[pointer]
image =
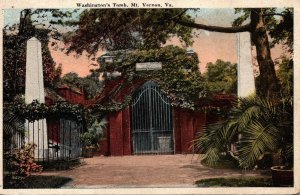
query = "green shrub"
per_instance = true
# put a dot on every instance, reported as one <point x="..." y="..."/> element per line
<point x="94" y="134"/>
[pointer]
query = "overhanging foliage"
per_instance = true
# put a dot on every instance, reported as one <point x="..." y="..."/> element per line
<point x="179" y="77"/>
<point x="36" y="111"/>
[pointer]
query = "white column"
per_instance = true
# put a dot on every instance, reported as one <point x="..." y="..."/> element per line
<point x="34" y="90"/>
<point x="246" y="85"/>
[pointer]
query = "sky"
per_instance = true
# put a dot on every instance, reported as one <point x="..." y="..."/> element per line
<point x="209" y="46"/>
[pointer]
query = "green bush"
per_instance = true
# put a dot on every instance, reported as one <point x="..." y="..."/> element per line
<point x="94" y="134"/>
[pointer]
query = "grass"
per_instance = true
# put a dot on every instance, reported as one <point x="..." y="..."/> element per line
<point x="35" y="181"/>
<point x="235" y="182"/>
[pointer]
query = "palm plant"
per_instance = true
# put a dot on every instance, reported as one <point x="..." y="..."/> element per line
<point x="90" y="139"/>
<point x="264" y="125"/>
<point x="94" y="134"/>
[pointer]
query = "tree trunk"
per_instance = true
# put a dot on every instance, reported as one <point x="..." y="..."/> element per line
<point x="267" y="85"/>
<point x="267" y="81"/>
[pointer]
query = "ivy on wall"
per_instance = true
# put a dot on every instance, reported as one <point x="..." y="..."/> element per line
<point x="179" y="78"/>
<point x="35" y="110"/>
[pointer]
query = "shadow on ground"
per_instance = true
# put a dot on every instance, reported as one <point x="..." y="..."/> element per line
<point x="35" y="181"/>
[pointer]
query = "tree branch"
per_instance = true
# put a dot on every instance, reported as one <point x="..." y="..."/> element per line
<point x="178" y="15"/>
<point x="237" y="29"/>
<point x="173" y="18"/>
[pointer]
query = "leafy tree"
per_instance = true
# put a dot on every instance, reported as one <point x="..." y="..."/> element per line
<point x="149" y="28"/>
<point x="265" y="124"/>
<point x="116" y="29"/>
<point x="261" y="22"/>
<point x="221" y="77"/>
<point x="71" y="78"/>
<point x="91" y="84"/>
<point x="285" y="76"/>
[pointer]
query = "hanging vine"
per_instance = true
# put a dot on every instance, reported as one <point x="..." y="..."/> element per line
<point x="179" y="78"/>
<point x="35" y="110"/>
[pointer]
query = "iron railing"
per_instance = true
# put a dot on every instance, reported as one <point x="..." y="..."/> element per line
<point x="55" y="139"/>
<point x="151" y="121"/>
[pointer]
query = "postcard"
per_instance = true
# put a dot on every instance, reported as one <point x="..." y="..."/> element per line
<point x="157" y="97"/>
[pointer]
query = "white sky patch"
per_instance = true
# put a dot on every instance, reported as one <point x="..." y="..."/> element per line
<point x="11" y="16"/>
<point x="206" y="33"/>
<point x="218" y="17"/>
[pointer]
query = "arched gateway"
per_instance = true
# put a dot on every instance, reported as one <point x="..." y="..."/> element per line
<point x="151" y="121"/>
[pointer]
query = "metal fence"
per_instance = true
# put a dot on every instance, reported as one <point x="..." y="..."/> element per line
<point x="151" y="121"/>
<point x="55" y="139"/>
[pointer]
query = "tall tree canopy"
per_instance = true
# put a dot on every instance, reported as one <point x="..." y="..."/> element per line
<point x="221" y="77"/>
<point x="285" y="76"/>
<point x="150" y="28"/>
<point x="91" y="84"/>
<point x="116" y="29"/>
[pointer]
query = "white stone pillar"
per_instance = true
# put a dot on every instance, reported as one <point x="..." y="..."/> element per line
<point x="246" y="85"/>
<point x="34" y="90"/>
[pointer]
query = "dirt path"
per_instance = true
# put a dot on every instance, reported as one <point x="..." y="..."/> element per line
<point x="142" y="171"/>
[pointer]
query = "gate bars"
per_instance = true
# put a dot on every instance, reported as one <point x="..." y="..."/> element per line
<point x="64" y="139"/>
<point x="61" y="142"/>
<point x="151" y="121"/>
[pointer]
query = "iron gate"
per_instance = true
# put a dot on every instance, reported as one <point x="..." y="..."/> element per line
<point x="151" y="121"/>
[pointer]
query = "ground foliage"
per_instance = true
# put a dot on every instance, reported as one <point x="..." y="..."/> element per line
<point x="19" y="164"/>
<point x="265" y="126"/>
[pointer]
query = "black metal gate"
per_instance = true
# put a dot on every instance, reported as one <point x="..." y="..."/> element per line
<point x="151" y="121"/>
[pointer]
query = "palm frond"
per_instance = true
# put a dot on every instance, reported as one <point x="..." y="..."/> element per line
<point x="258" y="138"/>
<point x="265" y="125"/>
<point x="247" y="116"/>
<point x="214" y="139"/>
<point x="212" y="156"/>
